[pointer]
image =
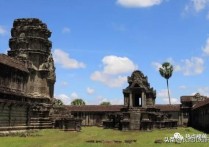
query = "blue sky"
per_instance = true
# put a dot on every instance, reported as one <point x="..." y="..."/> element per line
<point x="97" y="44"/>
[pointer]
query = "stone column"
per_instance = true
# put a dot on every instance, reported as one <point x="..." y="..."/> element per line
<point x="143" y="99"/>
<point x="125" y="101"/>
<point x="131" y="100"/>
<point x="10" y="117"/>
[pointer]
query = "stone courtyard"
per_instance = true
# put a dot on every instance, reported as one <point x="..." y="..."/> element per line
<point x="27" y="81"/>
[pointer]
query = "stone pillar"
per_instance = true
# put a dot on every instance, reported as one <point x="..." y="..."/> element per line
<point x="143" y="99"/>
<point x="10" y="117"/>
<point x="125" y="101"/>
<point x="131" y="100"/>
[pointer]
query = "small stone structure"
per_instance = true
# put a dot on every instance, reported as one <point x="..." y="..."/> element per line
<point x="140" y="112"/>
<point x="62" y="119"/>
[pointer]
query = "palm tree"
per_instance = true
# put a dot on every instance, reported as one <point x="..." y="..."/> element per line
<point x="166" y="71"/>
<point x="78" y="102"/>
<point x="105" y="104"/>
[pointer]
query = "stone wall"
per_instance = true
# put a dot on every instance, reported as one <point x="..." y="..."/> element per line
<point x="13" y="80"/>
<point x="16" y="115"/>
<point x="200" y="118"/>
<point x="12" y="115"/>
<point x="90" y="118"/>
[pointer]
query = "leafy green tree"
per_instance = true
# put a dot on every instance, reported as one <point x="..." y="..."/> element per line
<point x="78" y="102"/>
<point x="58" y="102"/>
<point x="105" y="103"/>
<point x="166" y="71"/>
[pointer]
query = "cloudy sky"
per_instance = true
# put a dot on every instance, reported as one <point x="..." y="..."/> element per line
<point x="97" y="44"/>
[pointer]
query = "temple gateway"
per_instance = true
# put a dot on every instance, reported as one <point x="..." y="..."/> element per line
<point x="27" y="81"/>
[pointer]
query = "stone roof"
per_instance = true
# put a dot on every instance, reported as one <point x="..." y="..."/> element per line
<point x="195" y="98"/>
<point x="12" y="62"/>
<point x="95" y="108"/>
<point x="186" y="98"/>
<point x="167" y="107"/>
<point x="201" y="104"/>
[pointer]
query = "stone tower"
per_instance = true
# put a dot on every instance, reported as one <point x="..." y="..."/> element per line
<point x="29" y="43"/>
<point x="139" y="93"/>
<point x="138" y="96"/>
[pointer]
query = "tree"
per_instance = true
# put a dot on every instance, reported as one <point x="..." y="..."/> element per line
<point x="166" y="71"/>
<point x="105" y="103"/>
<point x="57" y="102"/>
<point x="78" y="102"/>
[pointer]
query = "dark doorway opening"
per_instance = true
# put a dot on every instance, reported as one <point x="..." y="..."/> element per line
<point x="137" y="100"/>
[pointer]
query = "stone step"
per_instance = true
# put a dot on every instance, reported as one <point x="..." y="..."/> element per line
<point x="39" y="118"/>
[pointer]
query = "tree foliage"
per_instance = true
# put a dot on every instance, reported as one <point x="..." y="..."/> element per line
<point x="105" y="104"/>
<point x="78" y="102"/>
<point x="166" y="71"/>
<point x="57" y="102"/>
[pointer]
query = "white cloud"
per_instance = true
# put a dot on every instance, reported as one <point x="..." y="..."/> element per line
<point x="119" y="27"/>
<point x="66" y="30"/>
<point x="6" y="50"/>
<point x="90" y="90"/>
<point x="3" y="31"/>
<point x="192" y="66"/>
<point x="163" y="94"/>
<point x="157" y="65"/>
<point x="113" y="69"/>
<point x="74" y="95"/>
<point x="111" y="81"/>
<point x="116" y="101"/>
<point x="206" y="47"/>
<point x="202" y="91"/>
<point x="113" y="101"/>
<point x="64" y="83"/>
<point x="67" y="99"/>
<point x="64" y="98"/>
<point x="196" y="5"/>
<point x="138" y="3"/>
<point x="199" y="4"/>
<point x="173" y="101"/>
<point x="65" y="61"/>
<point x="183" y="87"/>
<point x="116" y="65"/>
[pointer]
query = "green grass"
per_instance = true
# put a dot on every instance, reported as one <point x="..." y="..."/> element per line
<point x="57" y="138"/>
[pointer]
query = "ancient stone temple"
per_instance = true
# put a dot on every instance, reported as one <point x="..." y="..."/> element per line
<point x="27" y="77"/>
<point x="139" y="112"/>
<point x="30" y="45"/>
<point x="27" y="81"/>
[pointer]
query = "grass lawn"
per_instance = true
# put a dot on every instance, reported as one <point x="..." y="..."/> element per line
<point x="57" y="138"/>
